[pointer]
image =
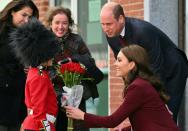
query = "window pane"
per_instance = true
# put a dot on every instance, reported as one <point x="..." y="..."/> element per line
<point x="64" y="3"/>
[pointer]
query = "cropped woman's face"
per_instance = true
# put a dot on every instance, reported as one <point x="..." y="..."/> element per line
<point x="60" y="25"/>
<point x="22" y="16"/>
<point x="122" y="65"/>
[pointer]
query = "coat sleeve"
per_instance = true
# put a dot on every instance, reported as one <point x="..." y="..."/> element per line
<point x="92" y="69"/>
<point x="124" y="111"/>
<point x="84" y="56"/>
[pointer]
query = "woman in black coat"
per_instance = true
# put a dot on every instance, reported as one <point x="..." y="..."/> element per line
<point x="60" y="22"/>
<point x="12" y="76"/>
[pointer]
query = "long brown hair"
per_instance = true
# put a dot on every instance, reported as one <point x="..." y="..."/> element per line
<point x="15" y="5"/>
<point x="142" y="69"/>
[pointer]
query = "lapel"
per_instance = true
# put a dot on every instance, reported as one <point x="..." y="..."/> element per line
<point x="128" y="29"/>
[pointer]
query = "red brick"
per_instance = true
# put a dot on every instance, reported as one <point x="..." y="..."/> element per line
<point x="115" y="93"/>
<point x="135" y="13"/>
<point x="136" y="6"/>
<point x="43" y="7"/>
<point x="116" y="80"/>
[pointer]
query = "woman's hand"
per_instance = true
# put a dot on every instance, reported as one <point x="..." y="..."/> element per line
<point x="124" y="126"/>
<point x="74" y="113"/>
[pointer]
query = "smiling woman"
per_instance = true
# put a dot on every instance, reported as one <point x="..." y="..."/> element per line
<point x="142" y="88"/>
<point x="22" y="16"/>
<point x="73" y="47"/>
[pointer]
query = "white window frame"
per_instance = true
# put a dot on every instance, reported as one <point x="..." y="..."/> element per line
<point x="51" y="3"/>
<point x="74" y="8"/>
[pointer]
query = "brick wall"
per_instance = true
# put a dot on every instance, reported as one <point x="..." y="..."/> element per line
<point x="132" y="8"/>
<point x="43" y="7"/>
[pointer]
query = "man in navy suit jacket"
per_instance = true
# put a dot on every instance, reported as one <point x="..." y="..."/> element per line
<point x="167" y="61"/>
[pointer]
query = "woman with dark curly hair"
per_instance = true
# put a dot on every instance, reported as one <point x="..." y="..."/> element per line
<point x="144" y="97"/>
<point x="73" y="47"/>
<point x="12" y="76"/>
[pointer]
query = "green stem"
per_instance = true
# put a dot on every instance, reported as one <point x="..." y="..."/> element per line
<point x="70" y="124"/>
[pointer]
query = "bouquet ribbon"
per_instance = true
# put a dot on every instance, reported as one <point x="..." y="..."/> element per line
<point x="72" y="97"/>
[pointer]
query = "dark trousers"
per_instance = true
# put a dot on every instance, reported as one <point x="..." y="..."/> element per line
<point x="8" y="128"/>
<point x="175" y="87"/>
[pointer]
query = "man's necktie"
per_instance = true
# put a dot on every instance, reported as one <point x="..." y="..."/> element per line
<point x="122" y="40"/>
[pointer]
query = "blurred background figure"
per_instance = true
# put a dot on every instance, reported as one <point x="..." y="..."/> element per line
<point x="12" y="76"/>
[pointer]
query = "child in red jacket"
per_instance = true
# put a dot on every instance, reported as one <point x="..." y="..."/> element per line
<point x="36" y="46"/>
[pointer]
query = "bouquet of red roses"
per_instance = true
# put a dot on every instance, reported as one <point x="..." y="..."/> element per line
<point x="72" y="73"/>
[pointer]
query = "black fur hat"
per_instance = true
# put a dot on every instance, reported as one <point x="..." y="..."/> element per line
<point x="33" y="44"/>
